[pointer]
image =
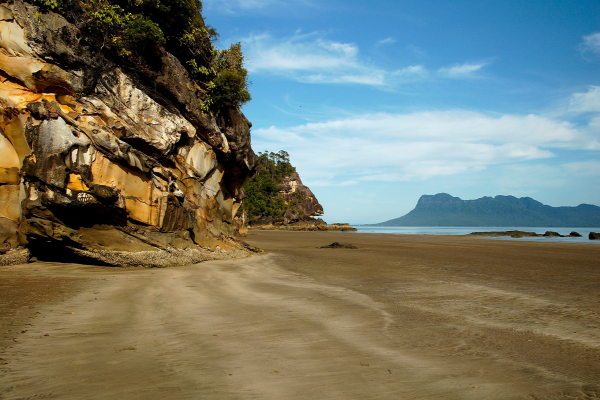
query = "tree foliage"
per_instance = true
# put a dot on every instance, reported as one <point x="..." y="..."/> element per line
<point x="138" y="29"/>
<point x="262" y="190"/>
<point x="225" y="78"/>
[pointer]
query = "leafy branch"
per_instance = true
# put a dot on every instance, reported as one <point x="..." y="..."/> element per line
<point x="138" y="29"/>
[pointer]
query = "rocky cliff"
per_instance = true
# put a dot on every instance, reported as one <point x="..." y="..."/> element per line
<point x="276" y="198"/>
<point x="299" y="207"/>
<point x="445" y="210"/>
<point x="276" y="193"/>
<point x="291" y="190"/>
<point x="101" y="162"/>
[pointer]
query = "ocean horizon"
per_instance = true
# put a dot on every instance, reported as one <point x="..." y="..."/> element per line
<point x="465" y="230"/>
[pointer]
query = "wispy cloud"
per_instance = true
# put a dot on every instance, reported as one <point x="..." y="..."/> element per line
<point x="376" y="79"/>
<point x="460" y="71"/>
<point x="520" y="179"/>
<point x="591" y="43"/>
<point x="418" y="146"/>
<point x="312" y="58"/>
<point x="586" y="102"/>
<point x="389" y="40"/>
<point x="410" y="73"/>
<point x="416" y="50"/>
<point x="232" y="6"/>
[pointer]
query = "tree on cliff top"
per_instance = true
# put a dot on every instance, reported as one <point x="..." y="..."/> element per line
<point x="137" y="30"/>
<point x="262" y="190"/>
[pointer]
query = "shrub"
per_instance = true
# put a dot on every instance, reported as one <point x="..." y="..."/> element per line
<point x="144" y="35"/>
<point x="135" y="29"/>
<point x="51" y="4"/>
<point x="262" y="192"/>
<point x="230" y="88"/>
<point x="225" y="79"/>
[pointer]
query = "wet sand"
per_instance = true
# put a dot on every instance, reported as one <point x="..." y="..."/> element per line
<point x="401" y="317"/>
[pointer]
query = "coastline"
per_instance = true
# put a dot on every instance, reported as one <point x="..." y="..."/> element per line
<point x="401" y="316"/>
<point x="467" y="231"/>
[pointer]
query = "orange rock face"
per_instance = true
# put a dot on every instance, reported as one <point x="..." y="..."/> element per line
<point x="86" y="146"/>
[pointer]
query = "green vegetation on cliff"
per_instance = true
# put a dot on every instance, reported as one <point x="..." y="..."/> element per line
<point x="262" y="190"/>
<point x="137" y="30"/>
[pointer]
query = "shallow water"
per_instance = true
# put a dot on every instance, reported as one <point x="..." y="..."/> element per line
<point x="462" y="230"/>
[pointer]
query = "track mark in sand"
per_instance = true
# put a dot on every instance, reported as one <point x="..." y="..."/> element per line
<point x="469" y="321"/>
<point x="337" y="324"/>
<point x="221" y="329"/>
<point x="492" y="307"/>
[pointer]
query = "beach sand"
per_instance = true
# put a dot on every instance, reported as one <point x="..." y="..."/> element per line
<point x="400" y="317"/>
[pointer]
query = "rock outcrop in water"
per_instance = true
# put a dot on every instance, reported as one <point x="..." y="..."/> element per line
<point x="520" y="234"/>
<point x="100" y="163"/>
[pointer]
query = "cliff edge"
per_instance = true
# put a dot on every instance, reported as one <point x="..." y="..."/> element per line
<point x="104" y="161"/>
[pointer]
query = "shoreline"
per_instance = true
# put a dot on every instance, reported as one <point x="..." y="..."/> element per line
<point x="476" y="232"/>
<point x="539" y="238"/>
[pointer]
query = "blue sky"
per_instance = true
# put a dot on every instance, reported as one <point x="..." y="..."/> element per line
<point x="381" y="102"/>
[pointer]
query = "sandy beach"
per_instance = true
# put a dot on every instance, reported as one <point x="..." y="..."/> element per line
<point x="400" y="317"/>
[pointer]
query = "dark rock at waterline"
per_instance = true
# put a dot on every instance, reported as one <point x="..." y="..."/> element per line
<point x="520" y="234"/>
<point x="553" y="234"/>
<point x="305" y="223"/>
<point x="594" y="236"/>
<point x="336" y="245"/>
<point x="513" y="234"/>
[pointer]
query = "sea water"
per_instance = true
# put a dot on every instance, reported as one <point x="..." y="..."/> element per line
<point x="462" y="230"/>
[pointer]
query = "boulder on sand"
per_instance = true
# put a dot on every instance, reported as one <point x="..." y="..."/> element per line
<point x="337" y="245"/>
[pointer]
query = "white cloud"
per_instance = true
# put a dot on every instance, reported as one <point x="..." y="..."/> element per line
<point x="586" y="102"/>
<point x="318" y="183"/>
<point x="311" y="58"/>
<point x="461" y="71"/>
<point x="417" y="146"/>
<point x="374" y="80"/>
<point x="230" y="6"/>
<point x="409" y="74"/>
<point x="591" y="43"/>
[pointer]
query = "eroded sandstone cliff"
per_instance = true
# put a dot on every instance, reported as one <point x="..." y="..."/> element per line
<point x="292" y="189"/>
<point x="99" y="162"/>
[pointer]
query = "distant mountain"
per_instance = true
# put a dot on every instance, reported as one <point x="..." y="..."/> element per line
<point x="444" y="210"/>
